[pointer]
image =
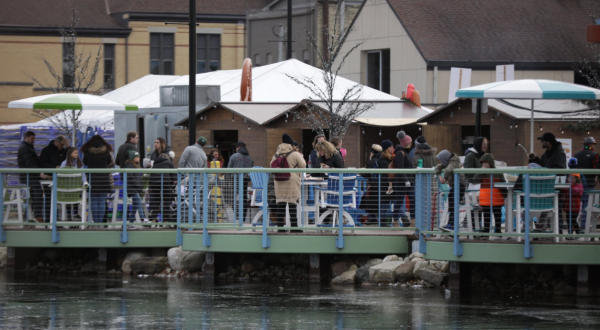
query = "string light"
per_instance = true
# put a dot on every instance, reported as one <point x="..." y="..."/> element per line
<point x="363" y="131"/>
<point x="419" y="128"/>
<point x="516" y="125"/>
<point x="562" y="131"/>
<point x="286" y="117"/>
<point x="441" y="122"/>
<point x="379" y="132"/>
<point x="232" y="118"/>
<point x="510" y="126"/>
<point x="248" y="126"/>
<point x="492" y="118"/>
<point x="541" y="129"/>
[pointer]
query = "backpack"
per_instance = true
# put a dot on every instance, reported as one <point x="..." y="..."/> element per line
<point x="281" y="162"/>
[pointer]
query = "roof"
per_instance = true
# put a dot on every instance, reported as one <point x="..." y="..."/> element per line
<point x="259" y="113"/>
<point x="507" y="31"/>
<point x="269" y="84"/>
<point x="519" y="109"/>
<point x="97" y="13"/>
<point x="225" y="7"/>
<point x="383" y="113"/>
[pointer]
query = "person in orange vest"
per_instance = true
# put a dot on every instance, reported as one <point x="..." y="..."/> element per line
<point x="489" y="197"/>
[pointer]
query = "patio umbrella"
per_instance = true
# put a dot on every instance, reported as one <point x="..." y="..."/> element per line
<point x="70" y="102"/>
<point x="533" y="89"/>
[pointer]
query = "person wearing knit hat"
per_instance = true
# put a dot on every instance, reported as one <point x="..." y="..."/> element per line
<point x="132" y="154"/>
<point x="375" y="149"/>
<point x="490" y="197"/>
<point x="423" y="151"/>
<point x="287" y="139"/>
<point x="287" y="190"/>
<point x="450" y="162"/>
<point x="404" y="139"/>
<point x="386" y="144"/>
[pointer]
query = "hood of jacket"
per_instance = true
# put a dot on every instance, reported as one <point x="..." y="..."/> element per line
<point x="98" y="150"/>
<point x="284" y="148"/>
<point x="51" y="144"/>
<point x="555" y="148"/>
<point x="429" y="151"/>
<point x="423" y="146"/>
<point x="488" y="158"/>
<point x="470" y="150"/>
<point x="243" y="151"/>
<point x="455" y="161"/>
<point x="161" y="160"/>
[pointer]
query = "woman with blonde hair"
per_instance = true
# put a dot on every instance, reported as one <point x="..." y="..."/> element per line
<point x="313" y="159"/>
<point x="329" y="156"/>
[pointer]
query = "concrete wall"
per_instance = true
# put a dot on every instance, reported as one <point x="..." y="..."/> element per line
<point x="378" y="28"/>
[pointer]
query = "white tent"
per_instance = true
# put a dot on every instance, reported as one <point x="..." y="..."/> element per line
<point x="269" y="84"/>
<point x="99" y="118"/>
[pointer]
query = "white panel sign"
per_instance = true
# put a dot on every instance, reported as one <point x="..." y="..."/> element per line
<point x="567" y="145"/>
<point x="459" y="78"/>
<point x="505" y="72"/>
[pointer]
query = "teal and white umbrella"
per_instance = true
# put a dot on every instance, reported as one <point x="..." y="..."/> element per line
<point x="70" y="102"/>
<point x="530" y="89"/>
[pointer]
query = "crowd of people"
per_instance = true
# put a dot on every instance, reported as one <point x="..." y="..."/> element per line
<point x="383" y="190"/>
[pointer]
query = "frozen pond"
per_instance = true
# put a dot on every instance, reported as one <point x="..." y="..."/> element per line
<point x="57" y="302"/>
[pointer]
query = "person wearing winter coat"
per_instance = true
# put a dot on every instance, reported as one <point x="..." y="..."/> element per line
<point x="242" y="159"/>
<point x="97" y="154"/>
<point x="449" y="162"/>
<point x="134" y="187"/>
<point x="131" y="143"/>
<point x="370" y="200"/>
<point x="160" y="147"/>
<point x="386" y="181"/>
<point x="287" y="193"/>
<point x="587" y="158"/>
<point x="54" y="153"/>
<point x="313" y="158"/>
<point x="554" y="156"/>
<point x="571" y="204"/>
<point x="194" y="156"/>
<point x="425" y="152"/>
<point x="489" y="196"/>
<point x="403" y="183"/>
<point x="329" y="157"/>
<point x="28" y="158"/>
<point x="160" y="187"/>
<point x="473" y="155"/>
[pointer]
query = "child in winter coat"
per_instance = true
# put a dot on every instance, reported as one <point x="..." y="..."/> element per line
<point x="134" y="186"/>
<point x="489" y="197"/>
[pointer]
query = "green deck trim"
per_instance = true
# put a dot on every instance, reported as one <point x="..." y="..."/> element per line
<point x="298" y="244"/>
<point x="90" y="239"/>
<point x="559" y="254"/>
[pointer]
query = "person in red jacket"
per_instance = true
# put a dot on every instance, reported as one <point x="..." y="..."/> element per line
<point x="490" y="198"/>
<point x="571" y="205"/>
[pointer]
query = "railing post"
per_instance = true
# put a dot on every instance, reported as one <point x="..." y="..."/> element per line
<point x="198" y="190"/>
<point x="2" y="233"/>
<point x="379" y="200"/>
<point x="266" y="240"/>
<point x="419" y="212"/>
<point x="528" y="249"/>
<point x="339" y="241"/>
<point x="242" y="197"/>
<point x="192" y="198"/>
<point x="124" y="234"/>
<point x="429" y="205"/>
<point x="458" y="248"/>
<point x="179" y="234"/>
<point x="206" y="241"/>
<point x="55" y="235"/>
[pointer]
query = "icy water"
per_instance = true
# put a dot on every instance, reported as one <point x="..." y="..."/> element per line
<point x="55" y="302"/>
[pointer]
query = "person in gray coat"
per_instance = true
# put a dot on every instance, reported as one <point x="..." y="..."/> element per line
<point x="242" y="159"/>
<point x="194" y="156"/>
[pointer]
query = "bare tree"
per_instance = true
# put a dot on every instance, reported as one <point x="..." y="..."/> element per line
<point x="335" y="114"/>
<point x="78" y="75"/>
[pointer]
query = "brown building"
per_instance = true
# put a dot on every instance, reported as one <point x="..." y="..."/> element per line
<point x="261" y="125"/>
<point x="507" y="126"/>
<point x="131" y="36"/>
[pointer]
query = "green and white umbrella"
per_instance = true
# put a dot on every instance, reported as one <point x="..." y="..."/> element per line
<point x="70" y="102"/>
<point x="530" y="89"/>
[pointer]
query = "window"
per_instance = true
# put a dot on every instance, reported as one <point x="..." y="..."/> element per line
<point x="162" y="53"/>
<point x="378" y="70"/>
<point x="109" y="66"/>
<point x="306" y="56"/>
<point x="208" y="52"/>
<point x="269" y="58"/>
<point x="68" y="59"/>
<point x="256" y="60"/>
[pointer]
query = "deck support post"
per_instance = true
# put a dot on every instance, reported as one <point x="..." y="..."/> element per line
<point x="10" y="256"/>
<point x="101" y="264"/>
<point x="209" y="264"/>
<point x="587" y="280"/>
<point x="319" y="268"/>
<point x="459" y="277"/>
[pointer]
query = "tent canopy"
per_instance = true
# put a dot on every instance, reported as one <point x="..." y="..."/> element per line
<point x="530" y="89"/>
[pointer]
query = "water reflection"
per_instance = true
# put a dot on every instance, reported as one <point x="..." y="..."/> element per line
<point x="55" y="302"/>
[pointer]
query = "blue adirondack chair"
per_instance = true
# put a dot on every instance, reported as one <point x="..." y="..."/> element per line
<point x="543" y="198"/>
<point x="329" y="198"/>
<point x="257" y="196"/>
